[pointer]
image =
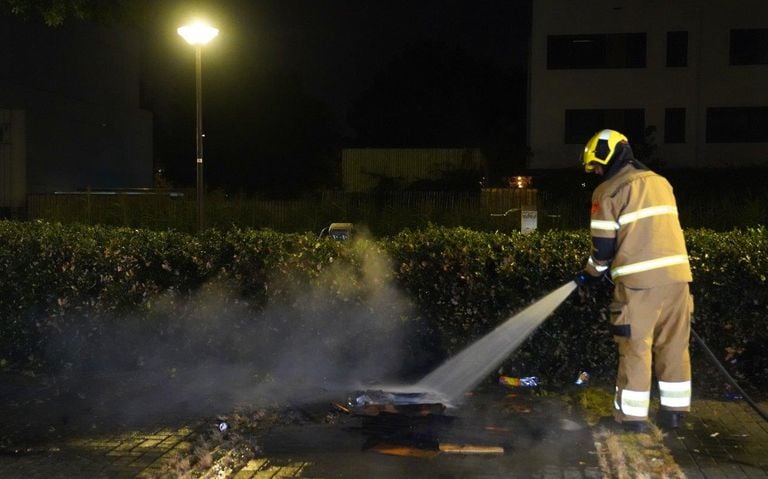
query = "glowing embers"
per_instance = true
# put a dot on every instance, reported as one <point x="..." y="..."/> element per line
<point x="392" y="449"/>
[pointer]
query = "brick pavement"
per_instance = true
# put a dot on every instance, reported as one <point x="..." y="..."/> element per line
<point x="720" y="439"/>
<point x="123" y="455"/>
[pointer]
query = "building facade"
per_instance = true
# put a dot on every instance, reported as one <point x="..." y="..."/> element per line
<point x="694" y="71"/>
<point x="70" y="117"/>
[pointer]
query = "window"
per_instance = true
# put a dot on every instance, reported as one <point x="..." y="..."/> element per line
<point x="737" y="125"/>
<point x="607" y="50"/>
<point x="749" y="47"/>
<point x="674" y="125"/>
<point x="580" y="125"/>
<point x="677" y="49"/>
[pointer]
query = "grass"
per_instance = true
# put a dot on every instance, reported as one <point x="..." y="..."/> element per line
<point x="594" y="403"/>
<point x="623" y="454"/>
<point x="631" y="455"/>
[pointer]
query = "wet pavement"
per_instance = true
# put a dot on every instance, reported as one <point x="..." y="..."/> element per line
<point x="496" y="433"/>
<point x="722" y="439"/>
<point x="50" y="431"/>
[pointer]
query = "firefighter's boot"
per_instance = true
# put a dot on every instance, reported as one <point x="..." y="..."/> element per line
<point x="670" y="419"/>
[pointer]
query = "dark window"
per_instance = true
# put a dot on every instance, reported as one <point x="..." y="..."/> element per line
<point x="674" y="125"/>
<point x="749" y="47"/>
<point x="614" y="50"/>
<point x="737" y="125"/>
<point x="677" y="49"/>
<point x="580" y="125"/>
<point x="5" y="133"/>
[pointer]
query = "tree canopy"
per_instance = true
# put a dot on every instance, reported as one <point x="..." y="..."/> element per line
<point x="55" y="13"/>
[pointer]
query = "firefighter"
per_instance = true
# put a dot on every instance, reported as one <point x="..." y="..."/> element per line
<point x="638" y="241"/>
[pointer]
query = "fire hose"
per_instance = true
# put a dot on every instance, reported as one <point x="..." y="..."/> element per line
<point x="727" y="375"/>
<point x="711" y="356"/>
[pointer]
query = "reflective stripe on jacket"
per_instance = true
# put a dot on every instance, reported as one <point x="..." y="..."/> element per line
<point x="635" y="230"/>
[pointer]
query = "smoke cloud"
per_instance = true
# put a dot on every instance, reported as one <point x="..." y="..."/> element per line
<point x="205" y="354"/>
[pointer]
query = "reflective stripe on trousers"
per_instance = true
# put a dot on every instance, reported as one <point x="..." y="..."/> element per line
<point x="675" y="394"/>
<point x="632" y="403"/>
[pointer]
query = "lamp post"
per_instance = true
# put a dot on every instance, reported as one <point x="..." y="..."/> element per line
<point x="198" y="34"/>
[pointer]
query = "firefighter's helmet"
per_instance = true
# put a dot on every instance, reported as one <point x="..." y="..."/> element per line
<point x="600" y="149"/>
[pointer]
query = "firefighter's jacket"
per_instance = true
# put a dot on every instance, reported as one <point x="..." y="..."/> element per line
<point x="636" y="231"/>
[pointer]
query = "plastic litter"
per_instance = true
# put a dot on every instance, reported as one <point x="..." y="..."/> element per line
<point x="583" y="378"/>
<point x="731" y="394"/>
<point x="222" y="426"/>
<point x="527" y="382"/>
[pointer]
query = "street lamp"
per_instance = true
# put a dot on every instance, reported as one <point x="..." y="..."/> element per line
<point x="198" y="34"/>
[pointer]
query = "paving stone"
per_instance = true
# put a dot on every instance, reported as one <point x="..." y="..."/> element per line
<point x="711" y="472"/>
<point x="571" y="473"/>
<point x="733" y="471"/>
<point x="754" y="472"/>
<point x="692" y="472"/>
<point x="724" y="438"/>
<point x="593" y="473"/>
<point x="738" y="449"/>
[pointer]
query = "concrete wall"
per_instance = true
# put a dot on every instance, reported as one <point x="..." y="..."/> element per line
<point x="707" y="81"/>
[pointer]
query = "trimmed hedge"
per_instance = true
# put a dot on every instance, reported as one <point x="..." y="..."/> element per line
<point x="83" y="283"/>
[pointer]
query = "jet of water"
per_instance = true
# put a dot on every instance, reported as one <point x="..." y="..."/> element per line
<point x="466" y="369"/>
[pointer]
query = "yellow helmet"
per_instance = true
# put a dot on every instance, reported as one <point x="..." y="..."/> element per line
<point x="600" y="148"/>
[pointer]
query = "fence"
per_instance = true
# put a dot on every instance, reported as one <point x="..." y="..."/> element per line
<point x="149" y="210"/>
<point x="382" y="213"/>
<point x="706" y="199"/>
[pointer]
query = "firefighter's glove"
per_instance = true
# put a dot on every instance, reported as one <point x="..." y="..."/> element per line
<point x="586" y="283"/>
<point x="586" y="280"/>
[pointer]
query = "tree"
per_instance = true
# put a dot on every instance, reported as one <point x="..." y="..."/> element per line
<point x="646" y="149"/>
<point x="55" y="12"/>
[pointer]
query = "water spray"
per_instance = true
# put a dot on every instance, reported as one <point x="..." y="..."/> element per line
<point x="466" y="369"/>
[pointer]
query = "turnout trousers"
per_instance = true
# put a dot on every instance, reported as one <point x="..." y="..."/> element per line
<point x="652" y="330"/>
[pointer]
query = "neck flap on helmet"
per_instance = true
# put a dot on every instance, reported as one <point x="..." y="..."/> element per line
<point x="622" y="156"/>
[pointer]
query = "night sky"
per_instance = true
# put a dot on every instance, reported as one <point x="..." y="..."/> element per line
<point x="288" y="83"/>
